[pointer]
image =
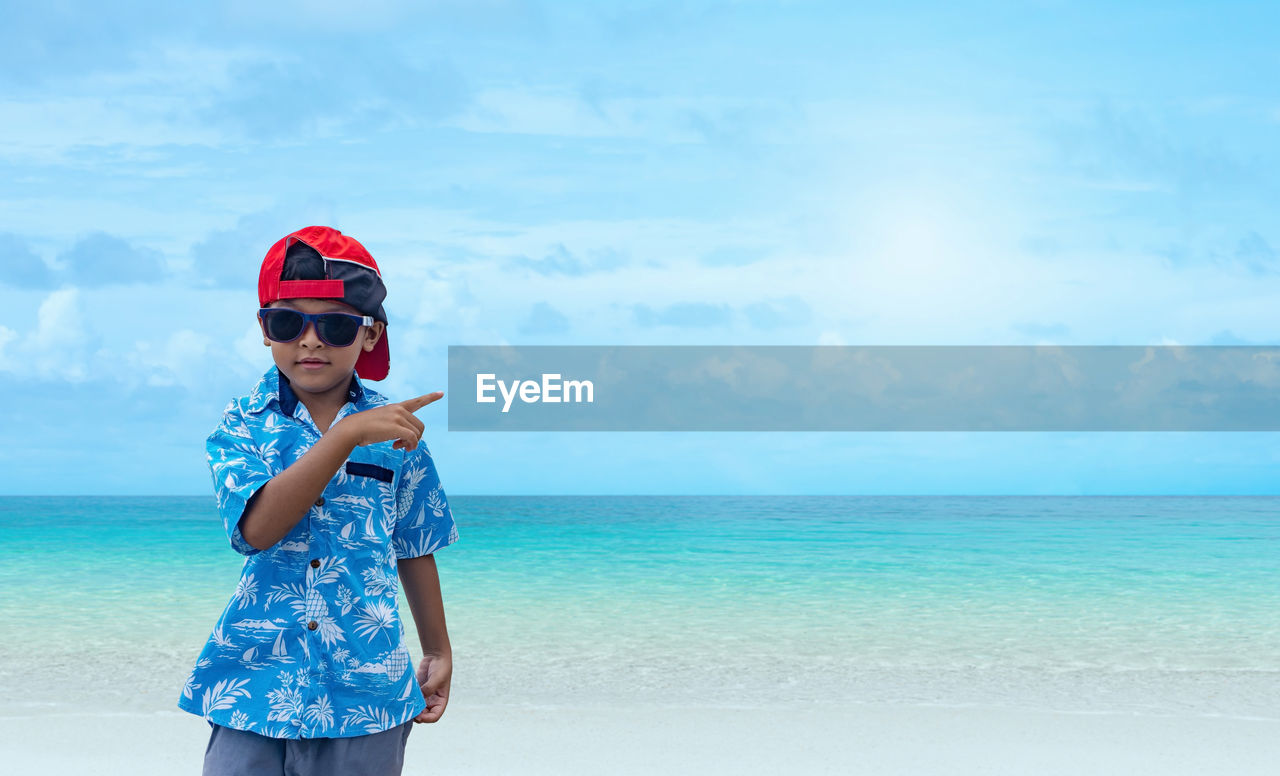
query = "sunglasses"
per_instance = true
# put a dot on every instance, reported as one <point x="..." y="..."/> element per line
<point x="336" y="330"/>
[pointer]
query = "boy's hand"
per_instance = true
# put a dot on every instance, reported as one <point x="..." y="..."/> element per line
<point x="434" y="673"/>
<point x="391" y="421"/>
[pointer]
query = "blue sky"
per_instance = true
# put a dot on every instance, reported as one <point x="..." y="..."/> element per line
<point x="633" y="173"/>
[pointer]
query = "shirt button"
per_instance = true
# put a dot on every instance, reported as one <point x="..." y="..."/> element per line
<point x="315" y="563"/>
<point x="313" y="625"/>
<point x="320" y="501"/>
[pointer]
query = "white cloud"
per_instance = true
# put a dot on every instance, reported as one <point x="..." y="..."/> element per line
<point x="7" y="335"/>
<point x="308" y="14"/>
<point x="60" y="345"/>
<point x="181" y="360"/>
<point x="563" y="112"/>
<point x="46" y="129"/>
<point x="195" y="360"/>
<point x="130" y="113"/>
<point x="255" y="356"/>
<point x="58" y="320"/>
<point x="438" y="301"/>
<point x="123" y="337"/>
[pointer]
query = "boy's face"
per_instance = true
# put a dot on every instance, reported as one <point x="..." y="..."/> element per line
<point x="313" y="367"/>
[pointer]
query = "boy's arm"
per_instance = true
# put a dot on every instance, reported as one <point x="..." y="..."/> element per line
<point x="279" y="504"/>
<point x="421" y="584"/>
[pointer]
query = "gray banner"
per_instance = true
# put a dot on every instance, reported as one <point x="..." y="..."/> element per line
<point x="876" y="388"/>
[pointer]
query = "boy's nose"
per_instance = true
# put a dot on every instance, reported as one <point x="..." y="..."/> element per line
<point x="309" y="337"/>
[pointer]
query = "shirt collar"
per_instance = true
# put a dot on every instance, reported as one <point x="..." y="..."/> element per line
<point x="275" y="387"/>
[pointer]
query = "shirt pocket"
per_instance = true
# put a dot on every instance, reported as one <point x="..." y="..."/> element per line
<point x="363" y="497"/>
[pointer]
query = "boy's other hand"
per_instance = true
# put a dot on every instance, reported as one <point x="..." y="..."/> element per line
<point x="390" y="421"/>
<point x="434" y="674"/>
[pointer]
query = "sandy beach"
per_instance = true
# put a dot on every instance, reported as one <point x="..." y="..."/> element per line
<point x="872" y="739"/>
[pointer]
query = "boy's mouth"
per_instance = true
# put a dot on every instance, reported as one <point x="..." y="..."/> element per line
<point x="312" y="363"/>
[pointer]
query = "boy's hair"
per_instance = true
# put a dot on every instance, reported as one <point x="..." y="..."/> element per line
<point x="302" y="262"/>
<point x="322" y="263"/>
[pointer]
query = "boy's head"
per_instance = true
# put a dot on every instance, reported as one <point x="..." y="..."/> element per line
<point x="319" y="269"/>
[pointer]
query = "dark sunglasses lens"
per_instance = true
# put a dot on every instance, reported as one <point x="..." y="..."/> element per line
<point x="282" y="325"/>
<point x="337" y="330"/>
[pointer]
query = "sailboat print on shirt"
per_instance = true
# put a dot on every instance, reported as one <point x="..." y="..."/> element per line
<point x="254" y="658"/>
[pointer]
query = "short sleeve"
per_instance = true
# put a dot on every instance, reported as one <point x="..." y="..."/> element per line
<point x="424" y="522"/>
<point x="238" y="472"/>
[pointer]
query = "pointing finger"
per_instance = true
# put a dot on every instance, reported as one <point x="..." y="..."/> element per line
<point x="414" y="405"/>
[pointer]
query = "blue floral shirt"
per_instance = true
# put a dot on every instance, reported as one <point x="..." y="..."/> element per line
<point x="311" y="643"/>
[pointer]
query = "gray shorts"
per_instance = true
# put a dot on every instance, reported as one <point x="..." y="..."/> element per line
<point x="234" y="752"/>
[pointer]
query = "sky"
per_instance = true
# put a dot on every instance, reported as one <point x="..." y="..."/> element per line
<point x="626" y="173"/>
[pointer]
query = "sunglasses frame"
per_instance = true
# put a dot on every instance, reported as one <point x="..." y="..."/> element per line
<point x="312" y="319"/>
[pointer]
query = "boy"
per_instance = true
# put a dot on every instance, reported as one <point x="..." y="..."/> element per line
<point x="324" y="486"/>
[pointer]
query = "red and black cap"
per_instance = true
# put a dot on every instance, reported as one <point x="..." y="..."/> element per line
<point x="321" y="262"/>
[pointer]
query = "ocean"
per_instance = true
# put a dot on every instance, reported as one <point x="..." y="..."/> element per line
<point x="1087" y="604"/>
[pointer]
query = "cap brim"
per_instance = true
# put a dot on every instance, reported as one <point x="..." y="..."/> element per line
<point x="374" y="364"/>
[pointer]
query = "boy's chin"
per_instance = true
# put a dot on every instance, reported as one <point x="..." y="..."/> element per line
<point x="315" y="380"/>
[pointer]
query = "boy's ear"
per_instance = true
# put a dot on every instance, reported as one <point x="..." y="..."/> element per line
<point x="372" y="336"/>
<point x="263" y="329"/>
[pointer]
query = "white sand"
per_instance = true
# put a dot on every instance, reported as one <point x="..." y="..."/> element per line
<point x="872" y="739"/>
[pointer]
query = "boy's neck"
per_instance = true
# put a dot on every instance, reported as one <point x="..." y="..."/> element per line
<point x="322" y="412"/>
<point x="322" y="407"/>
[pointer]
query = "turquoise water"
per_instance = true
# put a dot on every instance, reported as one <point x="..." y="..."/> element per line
<point x="1061" y="601"/>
